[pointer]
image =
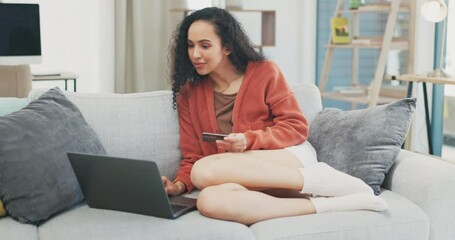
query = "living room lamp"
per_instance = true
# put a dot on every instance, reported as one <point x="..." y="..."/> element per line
<point x="436" y="11"/>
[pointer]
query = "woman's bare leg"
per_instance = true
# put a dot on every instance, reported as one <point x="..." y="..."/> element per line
<point x="263" y="169"/>
<point x="233" y="202"/>
<point x="229" y="182"/>
<point x="274" y="169"/>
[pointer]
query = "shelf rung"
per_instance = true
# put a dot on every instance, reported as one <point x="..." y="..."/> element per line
<point x="376" y="45"/>
<point x="356" y="98"/>
<point x="372" y="8"/>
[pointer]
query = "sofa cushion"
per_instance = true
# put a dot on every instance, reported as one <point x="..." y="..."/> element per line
<point x="363" y="143"/>
<point x="7" y="106"/>
<point x="402" y="220"/>
<point x="36" y="178"/>
<point x="11" y="229"/>
<point x="87" y="223"/>
<point x="136" y="125"/>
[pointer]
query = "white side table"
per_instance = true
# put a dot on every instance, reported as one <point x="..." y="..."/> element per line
<point x="63" y="76"/>
<point x="411" y="78"/>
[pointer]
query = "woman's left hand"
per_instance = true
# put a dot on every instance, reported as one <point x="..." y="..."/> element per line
<point x="234" y="142"/>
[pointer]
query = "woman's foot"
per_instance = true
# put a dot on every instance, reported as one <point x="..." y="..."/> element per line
<point x="322" y="180"/>
<point x="359" y="201"/>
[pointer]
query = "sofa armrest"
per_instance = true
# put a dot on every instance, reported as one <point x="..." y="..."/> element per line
<point x="430" y="183"/>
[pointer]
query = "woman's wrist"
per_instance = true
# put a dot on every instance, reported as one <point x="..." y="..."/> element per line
<point x="247" y="141"/>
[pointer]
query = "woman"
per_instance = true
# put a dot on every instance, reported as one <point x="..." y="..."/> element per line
<point x="264" y="168"/>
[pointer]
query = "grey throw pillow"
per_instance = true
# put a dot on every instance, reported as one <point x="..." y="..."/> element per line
<point x="363" y="143"/>
<point x="36" y="177"/>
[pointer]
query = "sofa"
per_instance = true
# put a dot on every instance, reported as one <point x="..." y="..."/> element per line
<point x="419" y="189"/>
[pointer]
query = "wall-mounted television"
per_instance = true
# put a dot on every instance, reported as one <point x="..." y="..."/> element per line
<point x="20" y="38"/>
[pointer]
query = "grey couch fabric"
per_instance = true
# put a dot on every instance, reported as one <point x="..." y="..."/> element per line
<point x="429" y="183"/>
<point x="139" y="125"/>
<point x="419" y="195"/>
<point x="11" y="229"/>
<point x="403" y="220"/>
<point x="87" y="223"/>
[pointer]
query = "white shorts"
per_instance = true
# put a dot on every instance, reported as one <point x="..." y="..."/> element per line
<point x="305" y="152"/>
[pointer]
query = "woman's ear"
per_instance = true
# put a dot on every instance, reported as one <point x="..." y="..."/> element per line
<point x="227" y="50"/>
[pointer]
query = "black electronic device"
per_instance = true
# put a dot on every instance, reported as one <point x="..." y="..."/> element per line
<point x="212" y="137"/>
<point x="20" y="37"/>
<point x="127" y="185"/>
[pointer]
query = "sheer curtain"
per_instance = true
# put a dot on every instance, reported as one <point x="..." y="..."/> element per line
<point x="142" y="32"/>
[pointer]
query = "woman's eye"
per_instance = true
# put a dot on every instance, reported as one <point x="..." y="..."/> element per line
<point x="190" y="46"/>
<point x="205" y="46"/>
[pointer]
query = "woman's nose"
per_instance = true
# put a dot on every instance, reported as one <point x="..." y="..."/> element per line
<point x="196" y="53"/>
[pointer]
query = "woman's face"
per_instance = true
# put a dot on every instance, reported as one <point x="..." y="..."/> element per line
<point x="205" y="49"/>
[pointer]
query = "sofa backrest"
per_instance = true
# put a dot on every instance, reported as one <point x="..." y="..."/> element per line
<point x="145" y="126"/>
<point x="309" y="99"/>
<point x="137" y="125"/>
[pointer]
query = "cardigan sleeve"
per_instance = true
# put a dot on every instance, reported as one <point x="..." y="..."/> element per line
<point x="191" y="152"/>
<point x="289" y="126"/>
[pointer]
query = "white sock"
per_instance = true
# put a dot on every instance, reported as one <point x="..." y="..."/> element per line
<point x="358" y="201"/>
<point x="322" y="180"/>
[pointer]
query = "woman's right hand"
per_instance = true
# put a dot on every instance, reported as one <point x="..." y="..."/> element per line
<point x="172" y="188"/>
<point x="234" y="142"/>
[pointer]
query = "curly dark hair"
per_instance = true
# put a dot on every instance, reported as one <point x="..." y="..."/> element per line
<point x="232" y="37"/>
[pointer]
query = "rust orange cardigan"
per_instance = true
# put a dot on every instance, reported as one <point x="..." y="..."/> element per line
<point x="265" y="110"/>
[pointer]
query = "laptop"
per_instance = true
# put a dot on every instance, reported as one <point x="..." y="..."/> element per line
<point x="127" y="185"/>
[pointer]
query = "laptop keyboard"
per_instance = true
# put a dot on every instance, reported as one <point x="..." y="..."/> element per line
<point x="177" y="207"/>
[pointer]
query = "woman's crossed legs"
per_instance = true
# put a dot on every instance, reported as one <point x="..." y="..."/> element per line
<point x="258" y="185"/>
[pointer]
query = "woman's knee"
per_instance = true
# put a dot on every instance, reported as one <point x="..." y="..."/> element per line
<point x="204" y="171"/>
<point x="213" y="201"/>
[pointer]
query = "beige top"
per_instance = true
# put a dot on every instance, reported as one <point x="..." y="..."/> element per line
<point x="224" y="104"/>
